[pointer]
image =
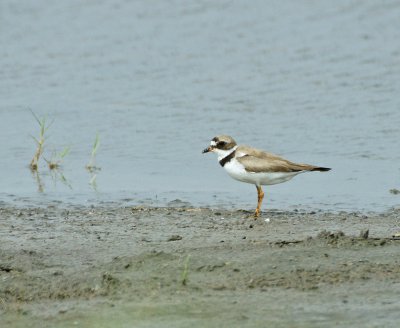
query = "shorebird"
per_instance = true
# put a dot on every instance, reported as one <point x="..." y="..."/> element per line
<point x="255" y="166"/>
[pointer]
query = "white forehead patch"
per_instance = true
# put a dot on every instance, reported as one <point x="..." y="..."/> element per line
<point x="213" y="143"/>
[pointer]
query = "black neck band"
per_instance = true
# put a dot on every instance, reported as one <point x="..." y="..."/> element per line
<point x="227" y="159"/>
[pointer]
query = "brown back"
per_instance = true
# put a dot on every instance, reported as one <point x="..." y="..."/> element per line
<point x="257" y="160"/>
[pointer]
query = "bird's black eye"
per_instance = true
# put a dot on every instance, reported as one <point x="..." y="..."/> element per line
<point x="221" y="144"/>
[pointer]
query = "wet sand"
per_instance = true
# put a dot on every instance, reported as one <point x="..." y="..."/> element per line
<point x="178" y="267"/>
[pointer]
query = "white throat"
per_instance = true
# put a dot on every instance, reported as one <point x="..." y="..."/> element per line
<point x="223" y="153"/>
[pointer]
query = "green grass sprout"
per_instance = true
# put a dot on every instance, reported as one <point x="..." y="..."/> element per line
<point x="185" y="272"/>
<point x="44" y="126"/>
<point x="91" y="166"/>
<point x="57" y="158"/>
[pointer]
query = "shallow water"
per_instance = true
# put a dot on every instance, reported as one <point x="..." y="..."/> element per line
<point x="316" y="82"/>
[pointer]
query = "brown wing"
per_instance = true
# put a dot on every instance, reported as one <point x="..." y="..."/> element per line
<point x="255" y="160"/>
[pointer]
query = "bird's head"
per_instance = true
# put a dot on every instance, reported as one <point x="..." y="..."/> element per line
<point x="222" y="145"/>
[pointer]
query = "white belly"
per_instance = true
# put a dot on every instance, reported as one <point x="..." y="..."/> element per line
<point x="237" y="171"/>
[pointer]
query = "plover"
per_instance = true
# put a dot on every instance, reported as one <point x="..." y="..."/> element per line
<point x="255" y="166"/>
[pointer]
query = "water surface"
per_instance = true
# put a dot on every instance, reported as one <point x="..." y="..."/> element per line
<point x="314" y="81"/>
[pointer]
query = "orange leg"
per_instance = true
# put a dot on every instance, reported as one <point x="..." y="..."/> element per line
<point x="260" y="194"/>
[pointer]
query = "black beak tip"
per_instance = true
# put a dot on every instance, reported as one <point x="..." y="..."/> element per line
<point x="205" y="151"/>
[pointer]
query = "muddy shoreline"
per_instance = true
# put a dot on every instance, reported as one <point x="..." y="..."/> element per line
<point x="114" y="267"/>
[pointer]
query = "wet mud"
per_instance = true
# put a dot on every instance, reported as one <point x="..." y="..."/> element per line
<point x="117" y="266"/>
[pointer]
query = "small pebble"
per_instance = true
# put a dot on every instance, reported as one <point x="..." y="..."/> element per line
<point x="364" y="234"/>
<point x="174" y="238"/>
